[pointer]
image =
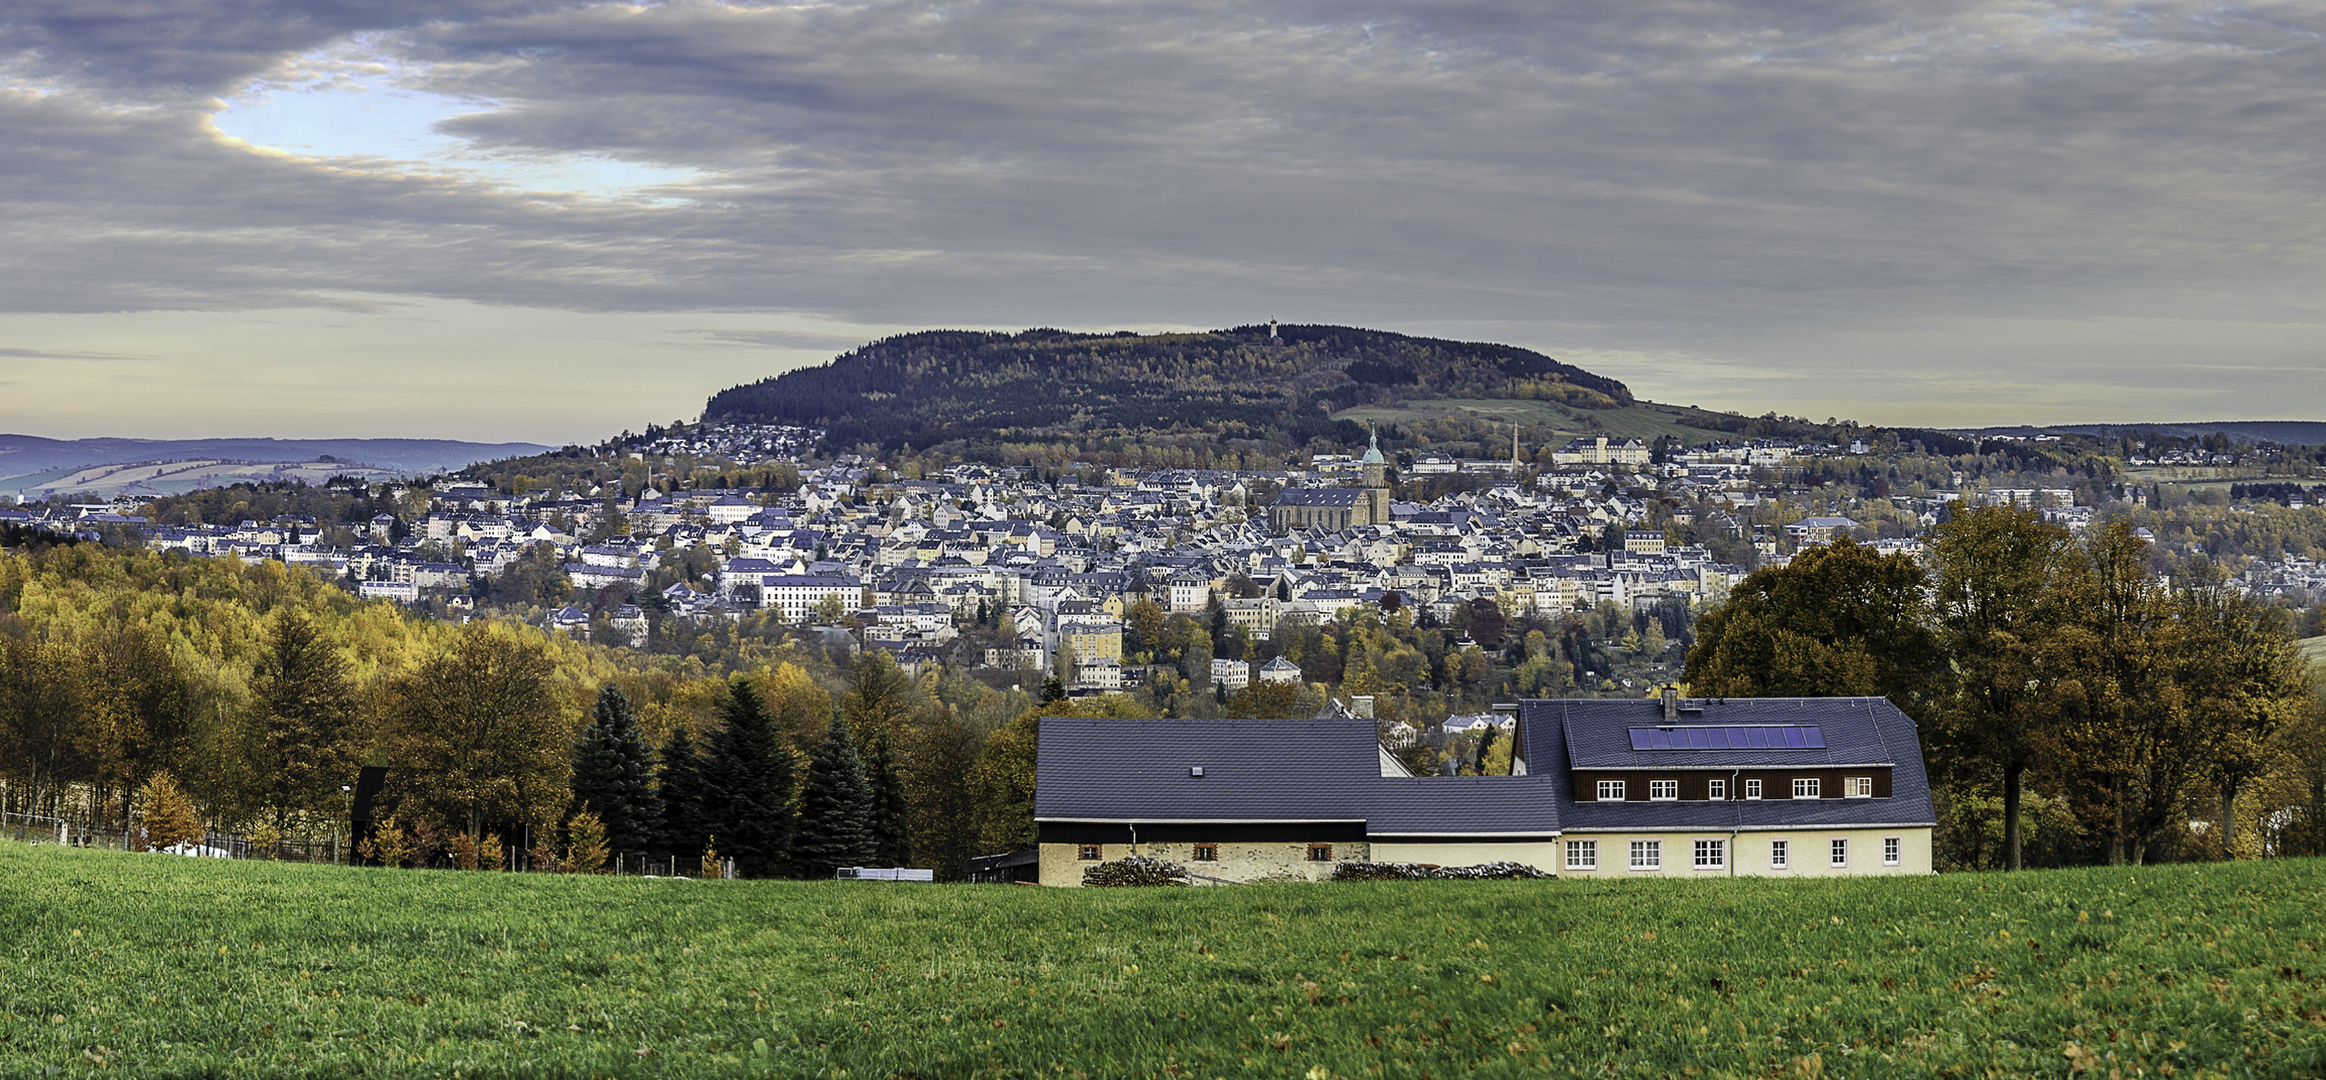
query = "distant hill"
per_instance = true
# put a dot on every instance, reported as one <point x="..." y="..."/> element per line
<point x="923" y="389"/>
<point x="2282" y="432"/>
<point x="34" y="467"/>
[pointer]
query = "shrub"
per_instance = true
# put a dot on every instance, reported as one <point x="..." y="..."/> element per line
<point x="169" y="816"/>
<point x="585" y="844"/>
<point x="464" y="851"/>
<point x="1137" y="871"/>
<point x="1493" y="871"/>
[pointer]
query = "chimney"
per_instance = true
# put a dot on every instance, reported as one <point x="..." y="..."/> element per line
<point x="1671" y="704"/>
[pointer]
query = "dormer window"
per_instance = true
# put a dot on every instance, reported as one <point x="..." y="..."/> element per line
<point x="1663" y="790"/>
<point x="1611" y="791"/>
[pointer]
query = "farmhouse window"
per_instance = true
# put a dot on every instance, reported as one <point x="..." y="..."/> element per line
<point x="1716" y="790"/>
<point x="1860" y="787"/>
<point x="1582" y="854"/>
<point x="1663" y="790"/>
<point x="1320" y="853"/>
<point x="1647" y="854"/>
<point x="1805" y="787"/>
<point x="1889" y="851"/>
<point x="1841" y="853"/>
<point x="1711" y="854"/>
<point x="1611" y="791"/>
<point x="1779" y="852"/>
<point x="1752" y="789"/>
<point x="1087" y="852"/>
<point x="1207" y="853"/>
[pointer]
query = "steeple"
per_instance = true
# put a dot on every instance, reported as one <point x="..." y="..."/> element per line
<point x="1373" y="451"/>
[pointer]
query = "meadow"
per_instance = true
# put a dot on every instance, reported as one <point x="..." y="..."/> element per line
<point x="157" y="965"/>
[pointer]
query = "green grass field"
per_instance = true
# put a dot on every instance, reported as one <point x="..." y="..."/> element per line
<point x="1645" y="421"/>
<point x="2313" y="649"/>
<point x="162" y="966"/>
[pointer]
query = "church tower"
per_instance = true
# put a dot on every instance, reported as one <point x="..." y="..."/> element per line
<point x="1376" y="497"/>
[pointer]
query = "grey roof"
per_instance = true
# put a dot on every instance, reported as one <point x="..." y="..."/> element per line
<point x="1598" y="732"/>
<point x="1137" y="770"/>
<point x="1319" y="497"/>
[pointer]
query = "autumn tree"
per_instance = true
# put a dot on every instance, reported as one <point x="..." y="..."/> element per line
<point x="2246" y="680"/>
<point x="940" y="800"/>
<point x="1995" y="601"/>
<point x="1839" y="621"/>
<point x="479" y="734"/>
<point x="170" y="819"/>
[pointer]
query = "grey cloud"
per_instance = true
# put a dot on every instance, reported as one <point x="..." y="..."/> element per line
<point x="1649" y="170"/>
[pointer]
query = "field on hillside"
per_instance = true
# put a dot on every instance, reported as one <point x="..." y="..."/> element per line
<point x="157" y="965"/>
<point x="2313" y="649"/>
<point x="1645" y="421"/>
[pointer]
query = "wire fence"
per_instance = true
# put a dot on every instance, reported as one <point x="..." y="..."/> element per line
<point x="71" y="832"/>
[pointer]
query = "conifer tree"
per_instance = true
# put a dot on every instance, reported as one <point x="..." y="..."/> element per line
<point x="747" y="785"/>
<point x="683" y="830"/>
<point x="891" y="821"/>
<point x="611" y="767"/>
<point x="835" y="809"/>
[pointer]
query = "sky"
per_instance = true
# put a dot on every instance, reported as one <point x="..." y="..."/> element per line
<point x="549" y="221"/>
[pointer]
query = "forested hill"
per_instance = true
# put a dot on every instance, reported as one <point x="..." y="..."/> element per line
<point x="923" y="389"/>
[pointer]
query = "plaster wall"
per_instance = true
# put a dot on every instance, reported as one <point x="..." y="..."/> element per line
<point x="1809" y="853"/>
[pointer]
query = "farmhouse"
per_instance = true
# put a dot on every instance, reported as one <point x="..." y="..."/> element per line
<point x="1602" y="788"/>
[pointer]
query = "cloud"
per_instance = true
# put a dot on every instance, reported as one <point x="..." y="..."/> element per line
<point x="51" y="354"/>
<point x="1654" y="178"/>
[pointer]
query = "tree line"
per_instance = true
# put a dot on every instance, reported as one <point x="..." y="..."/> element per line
<point x="255" y="693"/>
<point x="2132" y="702"/>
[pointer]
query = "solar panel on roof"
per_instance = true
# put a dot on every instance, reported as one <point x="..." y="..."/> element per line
<point x="1761" y="737"/>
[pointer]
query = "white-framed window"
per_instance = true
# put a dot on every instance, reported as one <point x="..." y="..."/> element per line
<point x="1840" y="853"/>
<point x="1717" y="791"/>
<point x="1611" y="791"/>
<point x="1889" y="851"/>
<point x="1752" y="789"/>
<point x="1582" y="854"/>
<point x="1805" y="787"/>
<point x="1780" y="854"/>
<point x="1711" y="854"/>
<point x="1663" y="790"/>
<point x="1647" y="854"/>
<point x="1858" y="787"/>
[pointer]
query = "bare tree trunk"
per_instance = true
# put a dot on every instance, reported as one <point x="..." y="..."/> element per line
<point x="2116" y="835"/>
<point x="2011" y="777"/>
<point x="2228" y="821"/>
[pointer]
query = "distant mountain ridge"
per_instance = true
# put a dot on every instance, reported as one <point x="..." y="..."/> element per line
<point x="1257" y="382"/>
<point x="2282" y="432"/>
<point x="33" y="466"/>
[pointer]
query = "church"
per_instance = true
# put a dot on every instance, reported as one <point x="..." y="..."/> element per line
<point x="1337" y="508"/>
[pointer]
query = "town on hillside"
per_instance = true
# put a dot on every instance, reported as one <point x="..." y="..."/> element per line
<point x="1571" y="570"/>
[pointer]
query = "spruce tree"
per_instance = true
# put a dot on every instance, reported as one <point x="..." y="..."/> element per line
<point x="835" y="809"/>
<point x="891" y="821"/>
<point x="683" y="828"/>
<point x="747" y="785"/>
<point x="611" y="770"/>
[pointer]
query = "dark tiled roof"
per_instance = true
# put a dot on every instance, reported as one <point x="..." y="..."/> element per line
<point x="1253" y="770"/>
